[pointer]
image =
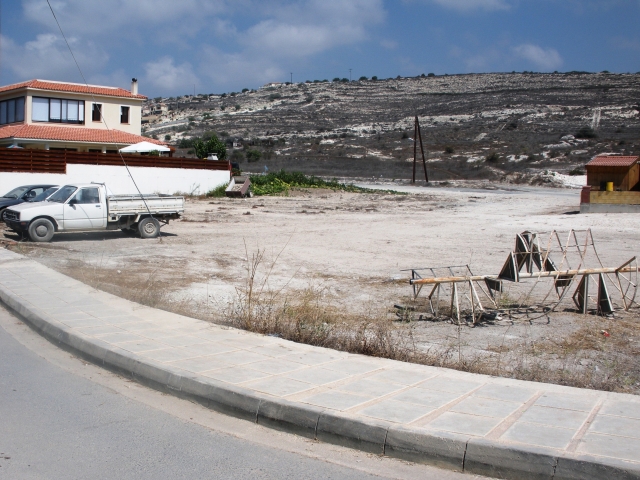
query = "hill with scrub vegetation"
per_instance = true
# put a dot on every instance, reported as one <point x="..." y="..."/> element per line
<point x="513" y="127"/>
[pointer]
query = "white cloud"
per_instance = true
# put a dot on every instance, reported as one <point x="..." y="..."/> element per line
<point x="468" y="5"/>
<point x="165" y="75"/>
<point x="546" y="59"/>
<point x="48" y="57"/>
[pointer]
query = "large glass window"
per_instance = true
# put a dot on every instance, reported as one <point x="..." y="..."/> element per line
<point x="12" y="110"/>
<point x="57" y="110"/>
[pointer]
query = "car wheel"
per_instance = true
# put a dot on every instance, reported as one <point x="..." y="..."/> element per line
<point x="41" y="230"/>
<point x="149" y="228"/>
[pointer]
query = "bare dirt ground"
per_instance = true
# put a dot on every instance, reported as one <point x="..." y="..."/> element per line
<point x="353" y="247"/>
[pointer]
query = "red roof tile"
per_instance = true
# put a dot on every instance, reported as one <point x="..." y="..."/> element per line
<point x="612" y="161"/>
<point x="72" y="88"/>
<point x="72" y="134"/>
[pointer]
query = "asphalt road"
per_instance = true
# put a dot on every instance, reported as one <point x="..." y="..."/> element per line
<point x="61" y="418"/>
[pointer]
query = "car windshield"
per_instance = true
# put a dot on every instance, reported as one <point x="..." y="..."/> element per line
<point x="16" y="192"/>
<point x="61" y="195"/>
<point x="43" y="196"/>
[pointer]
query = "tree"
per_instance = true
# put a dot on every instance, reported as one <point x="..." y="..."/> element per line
<point x="253" y="155"/>
<point x="245" y="90"/>
<point x="363" y="78"/>
<point x="374" y="78"/>
<point x="167" y="138"/>
<point x="336" y="79"/>
<point x="211" y="145"/>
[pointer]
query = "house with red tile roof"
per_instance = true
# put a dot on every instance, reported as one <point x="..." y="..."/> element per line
<point x="46" y="114"/>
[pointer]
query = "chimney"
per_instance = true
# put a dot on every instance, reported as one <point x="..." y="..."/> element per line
<point x="134" y="86"/>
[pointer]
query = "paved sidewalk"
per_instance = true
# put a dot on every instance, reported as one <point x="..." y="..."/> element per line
<point x="476" y="423"/>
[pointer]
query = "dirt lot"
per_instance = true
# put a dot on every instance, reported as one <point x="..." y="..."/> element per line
<point x="348" y="250"/>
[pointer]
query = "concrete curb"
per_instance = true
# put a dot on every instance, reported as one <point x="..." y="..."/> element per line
<point x="455" y="452"/>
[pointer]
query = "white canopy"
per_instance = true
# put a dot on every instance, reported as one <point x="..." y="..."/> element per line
<point x="144" y="147"/>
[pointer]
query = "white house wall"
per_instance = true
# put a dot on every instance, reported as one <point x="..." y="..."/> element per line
<point x="149" y="179"/>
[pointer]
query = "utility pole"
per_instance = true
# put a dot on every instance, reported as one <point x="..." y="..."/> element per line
<point x="291" y="78"/>
<point x="349" y="74"/>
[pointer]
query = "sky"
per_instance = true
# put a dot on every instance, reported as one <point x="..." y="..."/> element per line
<point x="214" y="46"/>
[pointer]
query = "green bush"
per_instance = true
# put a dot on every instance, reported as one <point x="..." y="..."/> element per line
<point x="374" y="78"/>
<point x="363" y="78"/>
<point x="492" y="157"/>
<point x="282" y="181"/>
<point x="274" y="96"/>
<point x="237" y="156"/>
<point x="245" y="90"/>
<point x="218" y="191"/>
<point x="211" y="145"/>
<point x="586" y="132"/>
<point x="449" y="149"/>
<point x="253" y="155"/>
<point x="167" y="138"/>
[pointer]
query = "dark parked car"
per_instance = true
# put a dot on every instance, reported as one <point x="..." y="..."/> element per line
<point x="26" y="193"/>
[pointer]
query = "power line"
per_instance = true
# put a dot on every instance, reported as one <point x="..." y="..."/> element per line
<point x="99" y="108"/>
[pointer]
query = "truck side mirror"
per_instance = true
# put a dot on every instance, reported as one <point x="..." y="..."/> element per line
<point x="73" y="201"/>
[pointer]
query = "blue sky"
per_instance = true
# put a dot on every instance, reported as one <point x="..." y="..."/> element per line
<point x="226" y="45"/>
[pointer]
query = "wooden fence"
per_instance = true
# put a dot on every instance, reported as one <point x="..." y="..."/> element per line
<point x="56" y="161"/>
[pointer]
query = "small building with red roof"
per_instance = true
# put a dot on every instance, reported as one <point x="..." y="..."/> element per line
<point x="51" y="115"/>
<point x="613" y="185"/>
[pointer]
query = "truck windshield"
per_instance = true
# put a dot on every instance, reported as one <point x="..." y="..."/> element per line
<point x="43" y="196"/>
<point x="61" y="195"/>
<point x="16" y="192"/>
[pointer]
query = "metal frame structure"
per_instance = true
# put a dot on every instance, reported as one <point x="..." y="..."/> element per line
<point x="532" y="259"/>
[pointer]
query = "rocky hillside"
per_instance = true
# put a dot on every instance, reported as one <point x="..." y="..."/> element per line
<point x="497" y="126"/>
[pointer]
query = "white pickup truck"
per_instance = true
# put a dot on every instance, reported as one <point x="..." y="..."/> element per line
<point x="85" y="207"/>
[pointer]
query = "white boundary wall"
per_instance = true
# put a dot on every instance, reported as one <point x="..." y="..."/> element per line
<point x="149" y="179"/>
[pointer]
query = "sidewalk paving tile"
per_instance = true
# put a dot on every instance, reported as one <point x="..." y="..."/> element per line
<point x="428" y="398"/>
<point x="81" y="322"/>
<point x="276" y="366"/>
<point x="317" y="375"/>
<point x="242" y="357"/>
<point x="367" y="386"/>
<point x="203" y="348"/>
<point x="119" y="337"/>
<point x="273" y="350"/>
<point x="353" y="366"/>
<point x="486" y="407"/>
<point x="403" y="376"/>
<point x="140" y="346"/>
<point x="541" y="435"/>
<point x="393" y="411"/>
<point x="238" y="374"/>
<point x="623" y="426"/>
<point x="336" y="400"/>
<point x="201" y="364"/>
<point x="448" y="384"/>
<point x="610" y="446"/>
<point x="557" y="417"/>
<point x="279" y="386"/>
<point x="584" y="403"/>
<point x="169" y="355"/>
<point x="313" y="357"/>
<point x="623" y="408"/>
<point x="99" y="330"/>
<point x="464" y="423"/>
<point x="505" y="392"/>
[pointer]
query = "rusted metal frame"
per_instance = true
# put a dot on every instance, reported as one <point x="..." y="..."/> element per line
<point x="454" y="298"/>
<point x="555" y="273"/>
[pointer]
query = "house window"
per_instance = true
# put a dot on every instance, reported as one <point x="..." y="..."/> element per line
<point x="124" y="114"/>
<point x="12" y="111"/>
<point x="96" y="112"/>
<point x="57" y="110"/>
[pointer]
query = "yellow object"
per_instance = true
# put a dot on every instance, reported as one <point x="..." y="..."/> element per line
<point x="609" y="186"/>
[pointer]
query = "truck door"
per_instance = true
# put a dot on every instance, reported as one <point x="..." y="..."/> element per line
<point x="84" y="211"/>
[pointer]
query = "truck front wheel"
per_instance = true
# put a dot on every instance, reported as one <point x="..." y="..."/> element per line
<point x="149" y="228"/>
<point x="41" y="230"/>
